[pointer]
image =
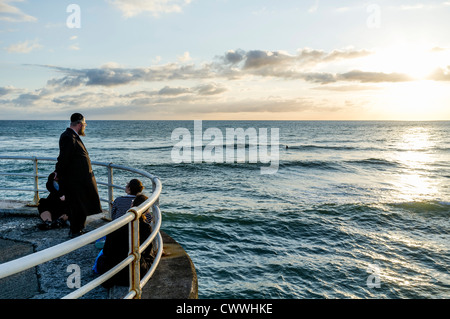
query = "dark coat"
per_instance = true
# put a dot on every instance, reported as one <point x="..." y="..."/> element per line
<point x="52" y="203"/>
<point x="76" y="178"/>
<point x="116" y="249"/>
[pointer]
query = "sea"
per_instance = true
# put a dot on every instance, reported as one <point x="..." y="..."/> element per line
<point x="354" y="209"/>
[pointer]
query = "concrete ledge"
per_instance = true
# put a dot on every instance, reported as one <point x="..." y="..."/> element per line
<point x="24" y="284"/>
<point x="174" y="278"/>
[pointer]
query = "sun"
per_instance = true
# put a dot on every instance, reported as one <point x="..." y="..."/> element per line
<point x="418" y="98"/>
<point x="415" y="60"/>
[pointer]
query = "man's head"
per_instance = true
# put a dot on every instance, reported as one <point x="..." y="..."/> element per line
<point x="78" y="123"/>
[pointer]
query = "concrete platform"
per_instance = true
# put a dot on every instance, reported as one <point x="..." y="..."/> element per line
<point x="175" y="277"/>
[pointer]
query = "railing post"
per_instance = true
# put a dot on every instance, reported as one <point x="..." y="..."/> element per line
<point x="154" y="214"/>
<point x="135" y="277"/>
<point x="110" y="191"/>
<point x="35" y="201"/>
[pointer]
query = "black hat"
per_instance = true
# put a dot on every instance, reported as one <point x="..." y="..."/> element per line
<point x="76" y="117"/>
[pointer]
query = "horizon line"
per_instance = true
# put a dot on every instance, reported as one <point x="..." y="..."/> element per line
<point x="228" y="120"/>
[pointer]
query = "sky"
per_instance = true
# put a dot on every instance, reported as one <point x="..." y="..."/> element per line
<point x="225" y="59"/>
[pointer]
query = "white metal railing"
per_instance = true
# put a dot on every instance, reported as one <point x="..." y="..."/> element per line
<point x="131" y="217"/>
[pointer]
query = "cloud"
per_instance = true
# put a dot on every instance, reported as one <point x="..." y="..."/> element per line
<point x="269" y="104"/>
<point x="185" y="57"/>
<point x="6" y="90"/>
<point x="20" y="97"/>
<point x="307" y="56"/>
<point x="11" y="13"/>
<point x="234" y="57"/>
<point x="440" y="74"/>
<point x="74" y="47"/>
<point x="317" y="77"/>
<point x="27" y="99"/>
<point x="173" y="91"/>
<point x="438" y="49"/>
<point x="346" y="88"/>
<point x="131" y="8"/>
<point x="85" y="96"/>
<point x="200" y="90"/>
<point x="112" y="75"/>
<point x="256" y="59"/>
<point x="355" y="75"/>
<point x="210" y="89"/>
<point x="24" y="47"/>
<point x="227" y="84"/>
<point x="374" y="77"/>
<point x="234" y="65"/>
<point x="285" y="65"/>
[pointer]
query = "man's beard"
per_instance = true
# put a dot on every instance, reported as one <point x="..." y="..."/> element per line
<point x="81" y="131"/>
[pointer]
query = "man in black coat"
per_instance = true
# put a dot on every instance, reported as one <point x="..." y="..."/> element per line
<point x="76" y="178"/>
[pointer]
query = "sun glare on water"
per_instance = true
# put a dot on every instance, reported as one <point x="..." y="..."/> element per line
<point x="413" y="182"/>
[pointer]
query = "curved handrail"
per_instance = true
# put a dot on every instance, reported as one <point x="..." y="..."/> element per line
<point x="131" y="216"/>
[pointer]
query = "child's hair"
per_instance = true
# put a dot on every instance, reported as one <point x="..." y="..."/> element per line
<point x="138" y="201"/>
<point x="135" y="186"/>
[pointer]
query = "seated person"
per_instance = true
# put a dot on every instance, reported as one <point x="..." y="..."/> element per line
<point x="116" y="249"/>
<point x="123" y="203"/>
<point x="52" y="210"/>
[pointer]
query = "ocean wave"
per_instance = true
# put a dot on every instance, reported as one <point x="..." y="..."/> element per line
<point x="335" y="209"/>
<point x="247" y="146"/>
<point x="308" y="164"/>
<point x="319" y="165"/>
<point x="374" y="162"/>
<point x="435" y="207"/>
<point x="184" y="147"/>
<point x="132" y="147"/>
<point x="420" y="149"/>
<point x="324" y="165"/>
<point x="361" y="147"/>
<point x="321" y="147"/>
